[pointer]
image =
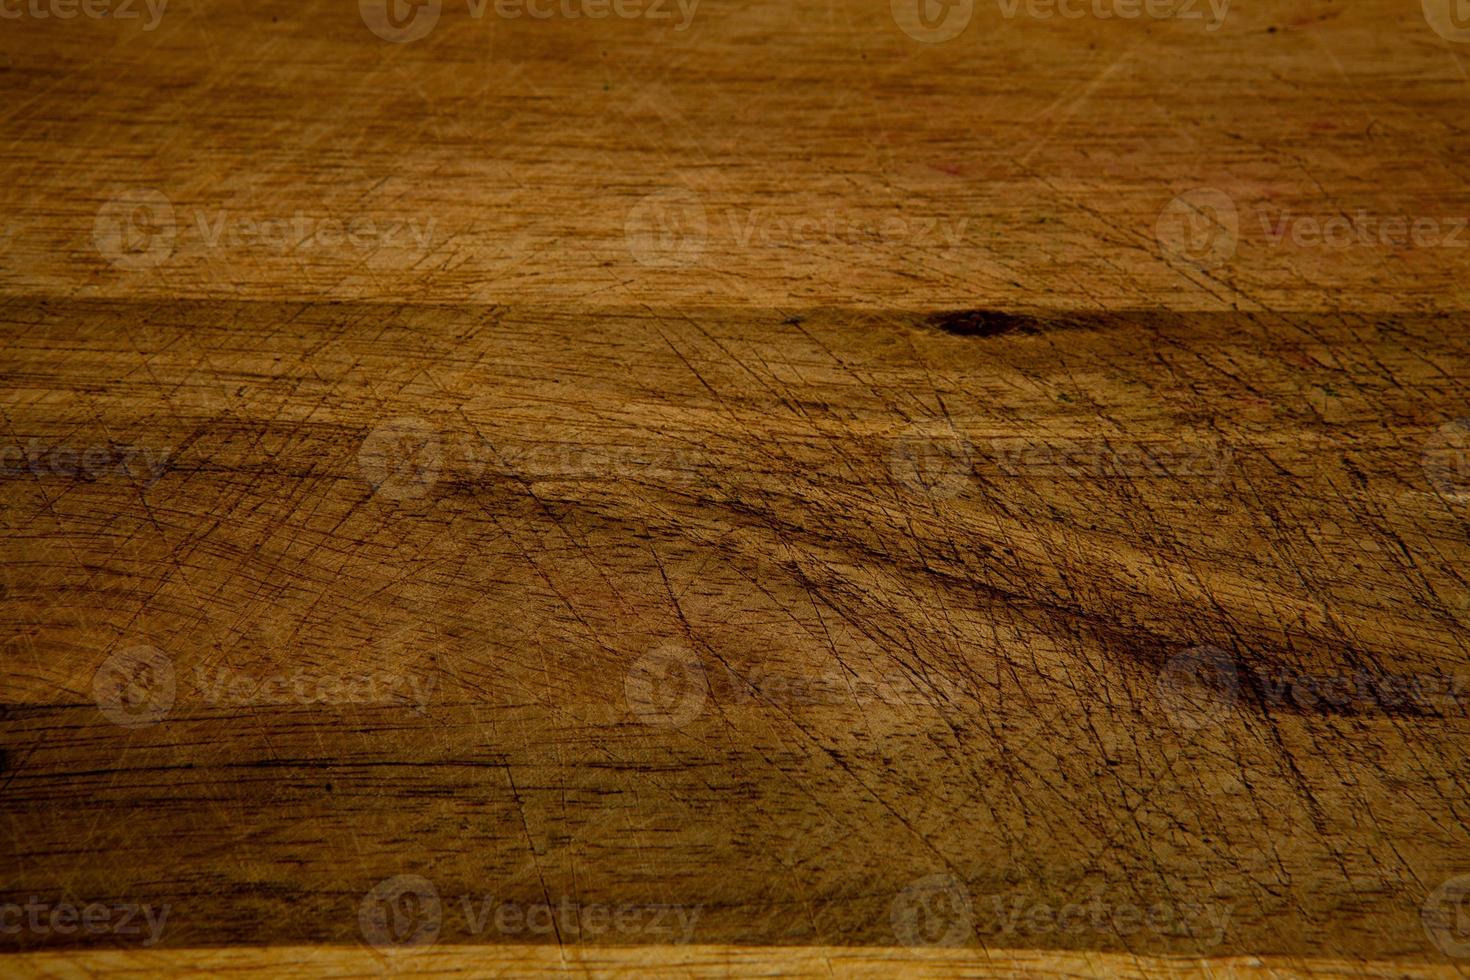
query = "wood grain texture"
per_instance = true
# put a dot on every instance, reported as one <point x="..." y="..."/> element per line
<point x="782" y="496"/>
<point x="699" y="961"/>
<point x="1050" y="146"/>
<point x="739" y="492"/>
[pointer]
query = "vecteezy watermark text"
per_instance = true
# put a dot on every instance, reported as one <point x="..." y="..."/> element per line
<point x="940" y="460"/>
<point x="139" y="229"/>
<point x="935" y="21"/>
<point x="39" y="918"/>
<point x="669" y="686"/>
<point x="1362" y="229"/>
<point x="1186" y="10"/>
<point x="91" y="463"/>
<point x="139" y="686"/>
<point x="405" y="912"/>
<point x="221" y="685"/>
<point x="1205" y="683"/>
<point x="402" y="458"/>
<point x="124" y="10"/>
<point x="402" y="21"/>
<point x="1203" y="228"/>
<point x="939" y="910"/>
<point x="1010" y="916"/>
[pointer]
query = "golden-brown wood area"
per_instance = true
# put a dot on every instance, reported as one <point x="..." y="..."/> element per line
<point x="774" y="488"/>
<point x="691" y="961"/>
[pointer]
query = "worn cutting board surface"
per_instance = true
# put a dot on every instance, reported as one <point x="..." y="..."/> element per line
<point x="804" y="487"/>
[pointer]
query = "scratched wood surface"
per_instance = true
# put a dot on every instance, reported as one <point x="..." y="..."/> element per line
<point x="747" y="491"/>
<point x="694" y="961"/>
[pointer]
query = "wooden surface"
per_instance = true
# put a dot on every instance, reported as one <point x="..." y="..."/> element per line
<point x="776" y="495"/>
<point x="691" y="961"/>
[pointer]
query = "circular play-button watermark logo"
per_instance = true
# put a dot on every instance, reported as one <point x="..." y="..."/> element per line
<point x="1200" y="228"/>
<point x="399" y="21"/>
<point x="1447" y="459"/>
<point x="932" y="21"/>
<point x="135" y="687"/>
<point x="933" y="911"/>
<point x="667" y="229"/>
<point x="1446" y="917"/>
<point x="936" y="461"/>
<point x="1450" y="19"/>
<point x="401" y="913"/>
<point x="1198" y="687"/>
<point x="136" y="229"/>
<point x="401" y="458"/>
<point x="667" y="686"/>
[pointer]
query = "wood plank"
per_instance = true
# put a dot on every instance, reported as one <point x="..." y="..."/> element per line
<point x="969" y="681"/>
<point x="702" y="961"/>
<point x="770" y="496"/>
<point x="1050" y="147"/>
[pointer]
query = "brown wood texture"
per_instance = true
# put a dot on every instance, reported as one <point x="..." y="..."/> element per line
<point x="692" y="961"/>
<point x="771" y="494"/>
